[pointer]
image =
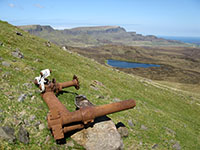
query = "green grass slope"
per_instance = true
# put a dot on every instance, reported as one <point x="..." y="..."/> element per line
<point x="170" y="118"/>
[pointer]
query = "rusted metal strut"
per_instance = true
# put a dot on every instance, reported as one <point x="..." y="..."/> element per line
<point x="60" y="120"/>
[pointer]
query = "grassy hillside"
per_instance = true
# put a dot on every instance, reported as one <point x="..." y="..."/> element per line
<point x="163" y="118"/>
<point x="180" y="66"/>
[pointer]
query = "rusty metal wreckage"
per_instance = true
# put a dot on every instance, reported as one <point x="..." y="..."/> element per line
<point x="60" y="120"/>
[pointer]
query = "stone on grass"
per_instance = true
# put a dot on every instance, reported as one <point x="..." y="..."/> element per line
<point x="123" y="131"/>
<point x="130" y="123"/>
<point x="143" y="127"/>
<point x="32" y="117"/>
<point x="94" y="87"/>
<point x="154" y="146"/>
<point x="22" y="113"/>
<point x="116" y="100"/>
<point x="10" y="97"/>
<point x="170" y="131"/>
<point x="7" y="133"/>
<point x="41" y="126"/>
<point x="100" y="96"/>
<point x="22" y="97"/>
<point x="37" y="123"/>
<point x="17" y="54"/>
<point x="33" y="97"/>
<point x="28" y="85"/>
<point x="176" y="146"/>
<point x="102" y="136"/>
<point x="26" y="122"/>
<point x="48" y="138"/>
<point x="6" y="75"/>
<point x="5" y="63"/>
<point x="23" y="135"/>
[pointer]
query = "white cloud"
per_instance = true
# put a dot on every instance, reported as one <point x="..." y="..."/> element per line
<point x="38" y="6"/>
<point x="11" y="5"/>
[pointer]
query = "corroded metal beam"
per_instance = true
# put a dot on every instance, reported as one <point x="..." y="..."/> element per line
<point x="60" y="120"/>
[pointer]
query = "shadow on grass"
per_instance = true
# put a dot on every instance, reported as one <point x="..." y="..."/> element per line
<point x="63" y="92"/>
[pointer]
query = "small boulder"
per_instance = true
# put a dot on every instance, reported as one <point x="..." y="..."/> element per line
<point x="143" y="127"/>
<point x="48" y="138"/>
<point x="6" y="64"/>
<point x="32" y="117"/>
<point x="37" y="124"/>
<point x="130" y="123"/>
<point x="64" y="48"/>
<point x="102" y="136"/>
<point x="176" y="146"/>
<point x="6" y="75"/>
<point x="7" y="133"/>
<point x="26" y="122"/>
<point x="23" y="135"/>
<point x="41" y="126"/>
<point x="94" y="87"/>
<point x="28" y="85"/>
<point x="116" y="100"/>
<point x="100" y="97"/>
<point x="17" y="54"/>
<point x="33" y="97"/>
<point x="170" y="131"/>
<point x="154" y="146"/>
<point x="122" y="129"/>
<point x="22" y="97"/>
<point x="22" y="113"/>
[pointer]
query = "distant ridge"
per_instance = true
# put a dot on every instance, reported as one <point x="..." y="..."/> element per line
<point x="97" y="35"/>
<point x="96" y="28"/>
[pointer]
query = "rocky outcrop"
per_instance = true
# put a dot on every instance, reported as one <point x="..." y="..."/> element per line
<point x="102" y="136"/>
<point x="7" y="133"/>
<point x="36" y="28"/>
<point x="23" y="135"/>
<point x="17" y="54"/>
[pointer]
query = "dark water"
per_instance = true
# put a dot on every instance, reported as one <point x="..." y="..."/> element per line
<point x="124" y="64"/>
<point x="193" y="40"/>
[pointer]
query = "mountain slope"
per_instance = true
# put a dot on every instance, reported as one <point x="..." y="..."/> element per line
<point x="95" y="36"/>
<point x="163" y="118"/>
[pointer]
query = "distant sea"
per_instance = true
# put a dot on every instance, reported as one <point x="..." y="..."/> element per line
<point x="193" y="40"/>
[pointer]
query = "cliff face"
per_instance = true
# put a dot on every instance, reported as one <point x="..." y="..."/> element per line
<point x="94" y="30"/>
<point x="36" y="28"/>
<point x="94" y="36"/>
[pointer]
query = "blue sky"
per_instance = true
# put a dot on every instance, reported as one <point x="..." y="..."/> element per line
<point x="156" y="17"/>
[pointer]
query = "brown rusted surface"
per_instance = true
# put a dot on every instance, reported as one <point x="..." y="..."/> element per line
<point x="74" y="83"/>
<point x="60" y="120"/>
<point x="73" y="127"/>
